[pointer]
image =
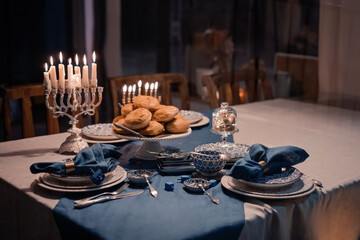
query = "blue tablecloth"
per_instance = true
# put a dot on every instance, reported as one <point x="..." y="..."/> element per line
<point x="177" y="214"/>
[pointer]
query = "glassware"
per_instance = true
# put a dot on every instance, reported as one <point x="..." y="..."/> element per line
<point x="224" y="121"/>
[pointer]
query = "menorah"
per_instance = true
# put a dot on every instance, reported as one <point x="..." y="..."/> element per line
<point x="73" y="99"/>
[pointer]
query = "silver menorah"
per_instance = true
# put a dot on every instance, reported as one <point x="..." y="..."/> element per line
<point x="73" y="99"/>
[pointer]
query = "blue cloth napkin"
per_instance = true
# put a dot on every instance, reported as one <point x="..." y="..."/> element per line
<point x="87" y="161"/>
<point x="276" y="158"/>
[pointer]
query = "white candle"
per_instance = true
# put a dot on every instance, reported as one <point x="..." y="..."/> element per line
<point x="146" y="88"/>
<point x="124" y="94"/>
<point x="85" y="75"/>
<point x="129" y="94"/>
<point x="151" y="88"/>
<point x="70" y="74"/>
<point x="52" y="73"/>
<point x="77" y="68"/>
<point x="133" y="91"/>
<point x="139" y="87"/>
<point x="93" y="82"/>
<point x="61" y="73"/>
<point x="47" y="83"/>
<point x="156" y="87"/>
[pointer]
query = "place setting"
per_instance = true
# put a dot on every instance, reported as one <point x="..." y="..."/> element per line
<point x="92" y="169"/>
<point x="196" y="119"/>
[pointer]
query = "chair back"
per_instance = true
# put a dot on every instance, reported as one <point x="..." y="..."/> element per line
<point x="167" y="82"/>
<point x="304" y="74"/>
<point x="225" y="87"/>
<point x="26" y="93"/>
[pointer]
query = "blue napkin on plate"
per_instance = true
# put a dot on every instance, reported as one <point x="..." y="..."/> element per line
<point x="87" y="162"/>
<point x="275" y="158"/>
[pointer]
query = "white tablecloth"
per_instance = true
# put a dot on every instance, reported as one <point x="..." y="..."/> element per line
<point x="330" y="135"/>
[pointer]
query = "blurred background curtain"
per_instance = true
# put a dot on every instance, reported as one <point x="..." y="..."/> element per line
<point x="339" y="51"/>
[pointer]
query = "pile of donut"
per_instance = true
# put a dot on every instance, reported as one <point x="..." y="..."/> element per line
<point x="150" y="118"/>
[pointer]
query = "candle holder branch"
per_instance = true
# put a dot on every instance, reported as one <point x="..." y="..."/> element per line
<point x="82" y="99"/>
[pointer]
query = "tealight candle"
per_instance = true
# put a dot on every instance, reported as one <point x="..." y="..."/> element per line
<point x="129" y="94"/>
<point x="47" y="83"/>
<point x="146" y="88"/>
<point x="124" y="94"/>
<point x="151" y="89"/>
<point x="85" y="77"/>
<point x="139" y="87"/>
<point x="93" y="82"/>
<point x="52" y="73"/>
<point x="156" y="87"/>
<point x="61" y="73"/>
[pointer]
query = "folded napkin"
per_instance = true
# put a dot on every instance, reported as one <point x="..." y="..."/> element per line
<point x="90" y="160"/>
<point x="260" y="160"/>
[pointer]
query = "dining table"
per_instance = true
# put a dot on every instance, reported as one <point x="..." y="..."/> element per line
<point x="330" y="136"/>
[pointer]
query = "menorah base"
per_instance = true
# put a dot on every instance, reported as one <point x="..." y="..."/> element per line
<point x="74" y="143"/>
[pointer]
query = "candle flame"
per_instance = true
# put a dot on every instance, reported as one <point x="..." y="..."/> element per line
<point x="139" y="83"/>
<point x="70" y="61"/>
<point x="77" y="59"/>
<point x="151" y="86"/>
<point x="61" y="57"/>
<point x="124" y="88"/>
<point x="156" y="85"/>
<point x="46" y="67"/>
<point x="94" y="56"/>
<point x="51" y="60"/>
<point x="84" y="60"/>
<point x="134" y="88"/>
<point x="130" y="88"/>
<point x="146" y="86"/>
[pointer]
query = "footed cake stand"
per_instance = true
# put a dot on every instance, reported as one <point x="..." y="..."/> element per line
<point x="151" y="145"/>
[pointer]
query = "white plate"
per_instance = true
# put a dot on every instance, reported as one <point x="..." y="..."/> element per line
<point x="283" y="179"/>
<point x="89" y="140"/>
<point x="54" y="182"/>
<point x="191" y="116"/>
<point x="100" y="131"/>
<point x="234" y="150"/>
<point x="205" y="120"/>
<point x="165" y="136"/>
<point x="300" y="188"/>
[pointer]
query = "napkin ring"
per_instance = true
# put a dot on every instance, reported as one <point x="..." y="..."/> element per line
<point x="264" y="165"/>
<point x="69" y="166"/>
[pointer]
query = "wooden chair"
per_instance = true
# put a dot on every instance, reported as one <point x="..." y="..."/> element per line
<point x="225" y="87"/>
<point x="26" y="93"/>
<point x="304" y="74"/>
<point x="167" y="82"/>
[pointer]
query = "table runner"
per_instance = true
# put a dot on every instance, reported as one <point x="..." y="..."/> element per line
<point x="176" y="214"/>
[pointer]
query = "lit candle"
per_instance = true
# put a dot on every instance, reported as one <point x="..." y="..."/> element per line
<point x="146" y="88"/>
<point x="124" y="94"/>
<point x="242" y="95"/>
<point x="156" y="87"/>
<point x="129" y="94"/>
<point x="139" y="87"/>
<point x="47" y="83"/>
<point x="151" y="88"/>
<point x="85" y="74"/>
<point x="61" y="73"/>
<point x="93" y="82"/>
<point x="52" y="73"/>
<point x="133" y="91"/>
<point x="70" y="74"/>
<point x="77" y="72"/>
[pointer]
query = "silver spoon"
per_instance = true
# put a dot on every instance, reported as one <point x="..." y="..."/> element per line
<point x="318" y="183"/>
<point x="153" y="192"/>
<point x="214" y="199"/>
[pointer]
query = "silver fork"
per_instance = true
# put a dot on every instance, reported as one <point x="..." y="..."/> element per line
<point x="123" y="187"/>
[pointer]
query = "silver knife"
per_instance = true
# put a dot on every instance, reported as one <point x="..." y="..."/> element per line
<point x="104" y="199"/>
<point x="129" y="130"/>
